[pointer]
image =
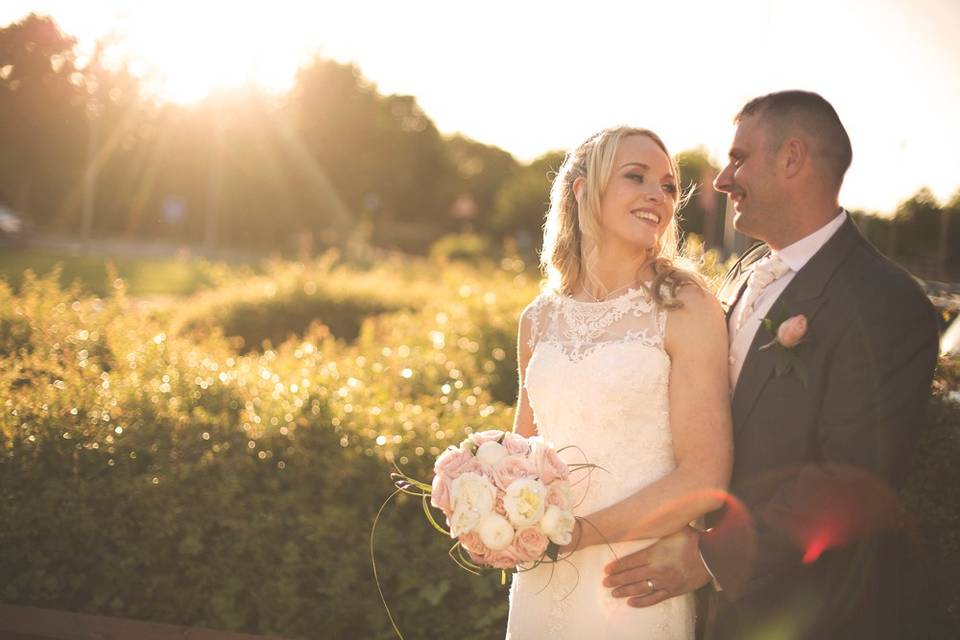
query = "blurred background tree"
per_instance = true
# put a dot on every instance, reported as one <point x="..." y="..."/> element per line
<point x="86" y="151"/>
<point x="42" y="101"/>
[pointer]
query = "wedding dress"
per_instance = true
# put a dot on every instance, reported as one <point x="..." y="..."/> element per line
<point x="598" y="380"/>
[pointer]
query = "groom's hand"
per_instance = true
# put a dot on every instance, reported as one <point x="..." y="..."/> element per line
<point x="673" y="566"/>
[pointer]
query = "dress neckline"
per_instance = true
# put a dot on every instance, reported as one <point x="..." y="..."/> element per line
<point x="591" y="303"/>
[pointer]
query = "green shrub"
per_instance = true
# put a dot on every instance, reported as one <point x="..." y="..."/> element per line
<point x="157" y="475"/>
<point x="465" y="247"/>
<point x="932" y="501"/>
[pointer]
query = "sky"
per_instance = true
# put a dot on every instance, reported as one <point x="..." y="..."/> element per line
<point x="532" y="76"/>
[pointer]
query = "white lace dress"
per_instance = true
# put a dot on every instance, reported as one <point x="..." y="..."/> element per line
<point x="598" y="379"/>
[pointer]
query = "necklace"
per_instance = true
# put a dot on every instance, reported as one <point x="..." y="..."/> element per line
<point x="609" y="294"/>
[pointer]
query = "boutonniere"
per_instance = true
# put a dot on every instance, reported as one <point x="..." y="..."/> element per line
<point x="788" y="334"/>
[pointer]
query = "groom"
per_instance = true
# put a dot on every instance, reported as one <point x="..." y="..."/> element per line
<point x="825" y="417"/>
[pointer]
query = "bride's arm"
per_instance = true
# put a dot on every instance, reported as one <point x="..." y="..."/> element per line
<point x="700" y="423"/>
<point x="523" y="417"/>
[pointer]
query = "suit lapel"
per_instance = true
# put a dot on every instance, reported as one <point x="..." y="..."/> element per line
<point x="735" y="283"/>
<point x="804" y="295"/>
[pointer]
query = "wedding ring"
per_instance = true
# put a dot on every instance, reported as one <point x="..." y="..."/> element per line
<point x="650" y="585"/>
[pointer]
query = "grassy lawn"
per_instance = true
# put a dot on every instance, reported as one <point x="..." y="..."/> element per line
<point x="143" y="275"/>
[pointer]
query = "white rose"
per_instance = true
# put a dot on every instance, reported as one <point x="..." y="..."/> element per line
<point x="525" y="501"/>
<point x="495" y="532"/>
<point x="557" y="524"/>
<point x="472" y="497"/>
<point x="463" y="521"/>
<point x="490" y="453"/>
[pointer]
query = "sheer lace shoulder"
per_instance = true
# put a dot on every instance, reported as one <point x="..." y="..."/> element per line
<point x="536" y="312"/>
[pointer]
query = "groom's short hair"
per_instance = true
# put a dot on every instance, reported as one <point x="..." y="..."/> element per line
<point x="787" y="111"/>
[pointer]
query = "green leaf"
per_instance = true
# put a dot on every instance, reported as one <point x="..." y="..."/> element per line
<point x="802" y="374"/>
<point x="430" y="518"/>
<point x="783" y="364"/>
<point x="553" y="551"/>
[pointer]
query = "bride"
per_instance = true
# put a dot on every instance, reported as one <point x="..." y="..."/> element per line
<point x="622" y="359"/>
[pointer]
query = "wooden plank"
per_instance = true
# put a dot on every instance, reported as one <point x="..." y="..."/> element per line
<point x="34" y="623"/>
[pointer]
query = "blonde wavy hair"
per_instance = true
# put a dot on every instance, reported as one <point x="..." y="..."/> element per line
<point x="571" y="237"/>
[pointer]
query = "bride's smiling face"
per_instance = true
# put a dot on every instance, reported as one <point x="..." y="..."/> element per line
<point x="641" y="195"/>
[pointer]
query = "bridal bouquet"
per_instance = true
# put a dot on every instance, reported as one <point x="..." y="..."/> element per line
<point x="507" y="501"/>
<point x="506" y="498"/>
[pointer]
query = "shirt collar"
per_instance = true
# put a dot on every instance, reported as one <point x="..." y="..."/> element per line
<point x="799" y="253"/>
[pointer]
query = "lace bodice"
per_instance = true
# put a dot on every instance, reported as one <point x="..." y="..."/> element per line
<point x="597" y="380"/>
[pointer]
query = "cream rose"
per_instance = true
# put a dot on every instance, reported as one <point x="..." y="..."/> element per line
<point x="557" y="524"/>
<point x="473" y="498"/>
<point x="525" y="501"/>
<point x="495" y="532"/>
<point x="491" y="452"/>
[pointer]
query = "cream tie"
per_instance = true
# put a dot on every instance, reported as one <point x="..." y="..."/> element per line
<point x="765" y="272"/>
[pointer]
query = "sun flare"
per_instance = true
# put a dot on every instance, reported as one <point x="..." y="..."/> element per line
<point x="187" y="58"/>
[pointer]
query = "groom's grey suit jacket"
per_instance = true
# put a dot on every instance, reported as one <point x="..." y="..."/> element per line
<point x="806" y="547"/>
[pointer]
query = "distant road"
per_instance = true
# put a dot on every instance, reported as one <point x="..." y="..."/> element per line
<point x="139" y="249"/>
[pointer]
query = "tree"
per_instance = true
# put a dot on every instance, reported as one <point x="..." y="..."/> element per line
<point x="41" y="115"/>
<point x="523" y="200"/>
<point x="703" y="212"/>
<point x="383" y="154"/>
<point x="917" y="224"/>
<point x="481" y="170"/>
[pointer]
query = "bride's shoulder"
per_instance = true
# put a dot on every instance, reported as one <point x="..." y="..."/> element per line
<point x="698" y="313"/>
<point x="694" y="299"/>
<point x="536" y="306"/>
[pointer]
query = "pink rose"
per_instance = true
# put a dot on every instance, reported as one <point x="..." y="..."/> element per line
<point x="530" y="544"/>
<point x="474" y="546"/>
<point x="504" y="559"/>
<point x="454" y="462"/>
<point x="440" y="494"/>
<point x="512" y="468"/>
<point x="791" y="331"/>
<point x="559" y="494"/>
<point x="516" y="444"/>
<point x="480" y="437"/>
<point x="549" y="465"/>
<point x="498" y="504"/>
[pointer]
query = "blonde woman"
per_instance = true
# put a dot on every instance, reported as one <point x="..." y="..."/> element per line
<point x="623" y="356"/>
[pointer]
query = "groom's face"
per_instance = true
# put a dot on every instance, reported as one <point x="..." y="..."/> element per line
<point x="750" y="179"/>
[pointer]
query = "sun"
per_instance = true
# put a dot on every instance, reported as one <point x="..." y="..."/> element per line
<point x="213" y="46"/>
<point x="185" y="50"/>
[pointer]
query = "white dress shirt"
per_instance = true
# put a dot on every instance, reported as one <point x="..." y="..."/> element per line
<point x="795" y="256"/>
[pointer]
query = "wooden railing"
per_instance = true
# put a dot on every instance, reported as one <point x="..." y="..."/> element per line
<point x="32" y="623"/>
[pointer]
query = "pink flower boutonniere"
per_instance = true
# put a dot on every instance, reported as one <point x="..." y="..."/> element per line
<point x="788" y="335"/>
